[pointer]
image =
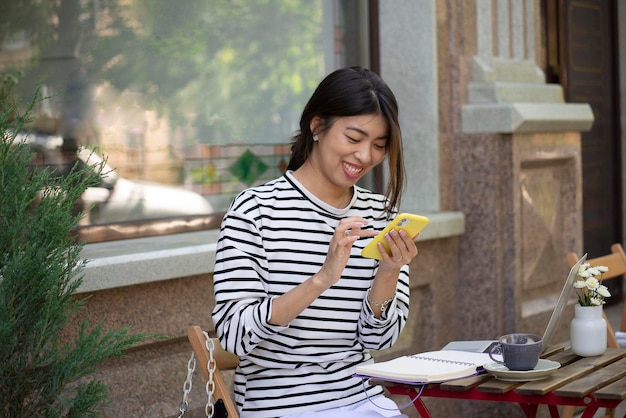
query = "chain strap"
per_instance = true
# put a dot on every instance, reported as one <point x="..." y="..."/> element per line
<point x="211" y="366"/>
<point x="191" y="367"/>
<point x="209" y="409"/>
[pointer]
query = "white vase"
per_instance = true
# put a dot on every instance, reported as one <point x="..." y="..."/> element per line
<point x="588" y="331"/>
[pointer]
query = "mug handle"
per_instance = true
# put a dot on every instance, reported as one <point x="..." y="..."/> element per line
<point x="496" y="349"/>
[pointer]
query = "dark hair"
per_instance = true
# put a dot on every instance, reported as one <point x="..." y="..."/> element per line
<point x="351" y="92"/>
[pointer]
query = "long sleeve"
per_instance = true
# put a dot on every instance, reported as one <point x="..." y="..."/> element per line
<point x="380" y="333"/>
<point x="242" y="302"/>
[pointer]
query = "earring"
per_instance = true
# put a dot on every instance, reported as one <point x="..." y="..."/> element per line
<point x="316" y="138"/>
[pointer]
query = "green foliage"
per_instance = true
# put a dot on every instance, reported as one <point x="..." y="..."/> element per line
<point x="231" y="70"/>
<point x="43" y="372"/>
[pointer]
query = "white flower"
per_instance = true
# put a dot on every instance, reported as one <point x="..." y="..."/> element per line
<point x="603" y="291"/>
<point x="592" y="283"/>
<point x="596" y="301"/>
<point x="591" y="291"/>
<point x="594" y="271"/>
<point x="579" y="284"/>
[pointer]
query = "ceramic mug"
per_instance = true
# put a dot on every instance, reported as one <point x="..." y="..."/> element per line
<point x="519" y="351"/>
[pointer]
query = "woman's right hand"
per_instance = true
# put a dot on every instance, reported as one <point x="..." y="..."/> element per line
<point x="289" y="305"/>
<point x="346" y="233"/>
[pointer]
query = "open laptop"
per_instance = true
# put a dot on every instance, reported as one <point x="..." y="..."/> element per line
<point x="484" y="346"/>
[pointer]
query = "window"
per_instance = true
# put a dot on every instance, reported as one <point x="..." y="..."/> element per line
<point x="189" y="102"/>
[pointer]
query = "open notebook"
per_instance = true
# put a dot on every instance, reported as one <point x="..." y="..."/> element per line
<point x="428" y="367"/>
<point x="484" y="346"/>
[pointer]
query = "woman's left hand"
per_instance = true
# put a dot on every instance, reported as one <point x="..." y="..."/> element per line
<point x="403" y="250"/>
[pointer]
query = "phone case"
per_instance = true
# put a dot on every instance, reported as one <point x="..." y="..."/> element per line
<point x="412" y="224"/>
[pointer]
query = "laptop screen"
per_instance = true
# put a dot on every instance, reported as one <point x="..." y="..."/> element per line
<point x="561" y="303"/>
<point x="485" y="345"/>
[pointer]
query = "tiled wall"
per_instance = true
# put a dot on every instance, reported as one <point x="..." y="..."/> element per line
<point x="227" y="169"/>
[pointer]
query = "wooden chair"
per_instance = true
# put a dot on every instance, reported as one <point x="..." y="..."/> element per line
<point x="224" y="361"/>
<point x="616" y="262"/>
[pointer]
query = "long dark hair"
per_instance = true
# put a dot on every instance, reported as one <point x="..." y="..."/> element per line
<point x="353" y="91"/>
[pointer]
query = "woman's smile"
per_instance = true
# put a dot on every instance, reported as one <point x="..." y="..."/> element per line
<point x="352" y="170"/>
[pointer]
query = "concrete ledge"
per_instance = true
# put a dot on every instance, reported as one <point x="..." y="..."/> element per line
<point x="442" y="225"/>
<point x="122" y="263"/>
<point x="510" y="92"/>
<point x="526" y="117"/>
<point x="490" y="69"/>
<point x="143" y="260"/>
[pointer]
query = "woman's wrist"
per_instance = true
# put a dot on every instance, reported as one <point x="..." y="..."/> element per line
<point x="381" y="305"/>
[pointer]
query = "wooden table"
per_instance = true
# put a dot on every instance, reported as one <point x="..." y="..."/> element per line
<point x="590" y="382"/>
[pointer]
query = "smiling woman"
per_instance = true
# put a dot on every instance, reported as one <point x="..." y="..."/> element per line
<point x="294" y="297"/>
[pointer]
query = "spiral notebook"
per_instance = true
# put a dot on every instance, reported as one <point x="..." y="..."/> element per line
<point x="427" y="367"/>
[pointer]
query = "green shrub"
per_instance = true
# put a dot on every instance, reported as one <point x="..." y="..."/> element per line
<point x="43" y="372"/>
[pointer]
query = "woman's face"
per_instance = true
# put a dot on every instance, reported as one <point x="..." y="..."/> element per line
<point x="350" y="148"/>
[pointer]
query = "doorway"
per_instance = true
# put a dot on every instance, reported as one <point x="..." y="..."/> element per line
<point x="582" y="57"/>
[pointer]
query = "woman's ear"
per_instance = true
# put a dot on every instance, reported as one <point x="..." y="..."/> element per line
<point x="316" y="124"/>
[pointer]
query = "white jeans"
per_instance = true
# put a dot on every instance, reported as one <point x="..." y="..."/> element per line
<point x="376" y="407"/>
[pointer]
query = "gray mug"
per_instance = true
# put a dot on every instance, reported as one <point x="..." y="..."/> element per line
<point x="519" y="351"/>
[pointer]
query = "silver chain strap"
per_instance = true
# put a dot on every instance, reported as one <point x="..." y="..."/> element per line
<point x="191" y="367"/>
<point x="209" y="409"/>
<point x="211" y="366"/>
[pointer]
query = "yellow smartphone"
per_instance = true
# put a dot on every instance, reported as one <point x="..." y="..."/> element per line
<point x="411" y="223"/>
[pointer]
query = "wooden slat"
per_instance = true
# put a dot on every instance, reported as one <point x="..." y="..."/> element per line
<point x="465" y="383"/>
<point x="564" y="358"/>
<point x="616" y="390"/>
<point x="497" y="386"/>
<point x="225" y="360"/>
<point x="571" y="372"/>
<point x="594" y="381"/>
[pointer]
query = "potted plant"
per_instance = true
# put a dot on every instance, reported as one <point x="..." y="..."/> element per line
<point x="43" y="372"/>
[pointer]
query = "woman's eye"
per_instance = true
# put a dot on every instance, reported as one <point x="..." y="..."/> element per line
<point x="352" y="139"/>
<point x="379" y="146"/>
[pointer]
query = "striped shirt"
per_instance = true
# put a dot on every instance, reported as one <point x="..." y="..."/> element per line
<point x="272" y="238"/>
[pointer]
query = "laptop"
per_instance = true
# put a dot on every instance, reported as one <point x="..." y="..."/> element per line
<point x="484" y="346"/>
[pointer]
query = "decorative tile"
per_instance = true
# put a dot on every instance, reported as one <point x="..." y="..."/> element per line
<point x="248" y="167"/>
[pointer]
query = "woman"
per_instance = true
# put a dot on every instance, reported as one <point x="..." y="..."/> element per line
<point x="294" y="297"/>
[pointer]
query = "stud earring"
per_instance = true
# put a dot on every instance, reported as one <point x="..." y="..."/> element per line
<point x="316" y="138"/>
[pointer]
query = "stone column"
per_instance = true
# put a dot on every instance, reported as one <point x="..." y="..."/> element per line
<point x="528" y="177"/>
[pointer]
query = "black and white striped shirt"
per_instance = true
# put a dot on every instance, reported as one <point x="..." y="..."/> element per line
<point x="274" y="237"/>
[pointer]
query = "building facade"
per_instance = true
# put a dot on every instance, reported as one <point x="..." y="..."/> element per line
<point x="497" y="99"/>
